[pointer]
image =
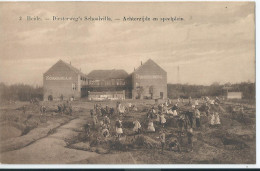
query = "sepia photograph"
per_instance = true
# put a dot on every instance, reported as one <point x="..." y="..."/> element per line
<point x="128" y="83"/>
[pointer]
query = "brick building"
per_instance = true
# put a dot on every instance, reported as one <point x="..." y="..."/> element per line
<point x="149" y="81"/>
<point x="63" y="80"/>
<point x="111" y="84"/>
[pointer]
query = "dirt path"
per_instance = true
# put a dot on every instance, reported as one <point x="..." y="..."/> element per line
<point x="50" y="149"/>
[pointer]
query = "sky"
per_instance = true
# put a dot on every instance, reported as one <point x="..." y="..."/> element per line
<point x="215" y="41"/>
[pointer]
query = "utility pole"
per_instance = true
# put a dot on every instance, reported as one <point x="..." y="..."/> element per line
<point x="178" y="75"/>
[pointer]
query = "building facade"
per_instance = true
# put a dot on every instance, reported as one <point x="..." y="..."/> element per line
<point x="149" y="81"/>
<point x="63" y="81"/>
<point x="111" y="84"/>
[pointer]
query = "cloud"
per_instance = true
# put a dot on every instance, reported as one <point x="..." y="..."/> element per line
<point x="204" y="45"/>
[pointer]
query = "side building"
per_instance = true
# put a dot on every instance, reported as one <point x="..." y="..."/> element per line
<point x="108" y="84"/>
<point x="63" y="81"/>
<point x="149" y="81"/>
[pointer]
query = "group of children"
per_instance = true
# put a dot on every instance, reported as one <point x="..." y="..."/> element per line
<point x="185" y="120"/>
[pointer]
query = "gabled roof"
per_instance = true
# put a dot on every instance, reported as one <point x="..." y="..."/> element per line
<point x="72" y="68"/>
<point x="107" y="74"/>
<point x="149" y="64"/>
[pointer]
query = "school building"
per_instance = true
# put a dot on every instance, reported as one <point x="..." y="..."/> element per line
<point x="149" y="81"/>
<point x="63" y="81"/>
<point x="108" y="84"/>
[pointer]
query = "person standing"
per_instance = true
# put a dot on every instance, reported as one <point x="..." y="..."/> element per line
<point x="150" y="126"/>
<point x="197" y="115"/>
<point x="95" y="119"/>
<point x="174" y="109"/>
<point x="190" y="115"/>
<point x="207" y="109"/>
<point x="159" y="108"/>
<point x="196" y="103"/>
<point x="190" y="100"/>
<point x="70" y="109"/>
<point x="137" y="127"/>
<point x="107" y="121"/>
<point x="107" y="109"/>
<point x="180" y="124"/>
<point x="111" y="111"/>
<point x="190" y="138"/>
<point x="117" y="107"/>
<point x="105" y="133"/>
<point x="217" y="120"/>
<point x="162" y="139"/>
<point x="213" y="119"/>
<point x="119" y="128"/>
<point x="162" y="120"/>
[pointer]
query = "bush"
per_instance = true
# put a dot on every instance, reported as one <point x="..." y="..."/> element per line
<point x="139" y="141"/>
<point x="117" y="145"/>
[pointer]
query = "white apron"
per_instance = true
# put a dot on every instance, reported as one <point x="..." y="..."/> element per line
<point x="151" y="127"/>
<point x="137" y="126"/>
<point x="212" y="121"/>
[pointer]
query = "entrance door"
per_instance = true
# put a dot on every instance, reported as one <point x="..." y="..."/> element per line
<point x="161" y="95"/>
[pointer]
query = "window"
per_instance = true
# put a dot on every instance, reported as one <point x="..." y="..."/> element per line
<point x="74" y="86"/>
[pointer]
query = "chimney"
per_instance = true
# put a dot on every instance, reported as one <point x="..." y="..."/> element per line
<point x="134" y="69"/>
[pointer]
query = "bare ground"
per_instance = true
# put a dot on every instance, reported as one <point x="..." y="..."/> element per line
<point x="60" y="139"/>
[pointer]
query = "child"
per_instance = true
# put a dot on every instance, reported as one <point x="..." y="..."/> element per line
<point x="162" y="120"/>
<point x="106" y="120"/>
<point x="150" y="126"/>
<point x="91" y="113"/>
<point x="153" y="110"/>
<point x="217" y="120"/>
<point x="105" y="133"/>
<point x="111" y="111"/>
<point x="197" y="115"/>
<point x="162" y="139"/>
<point x="95" y="120"/>
<point x="137" y="126"/>
<point x="190" y="138"/>
<point x="174" y="109"/>
<point x="213" y="118"/>
<point x="207" y="109"/>
<point x="175" y="146"/>
<point x="119" y="129"/>
<point x="196" y="103"/>
<point x="150" y="114"/>
<point x="180" y="124"/>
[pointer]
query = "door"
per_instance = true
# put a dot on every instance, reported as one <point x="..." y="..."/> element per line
<point x="161" y="95"/>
